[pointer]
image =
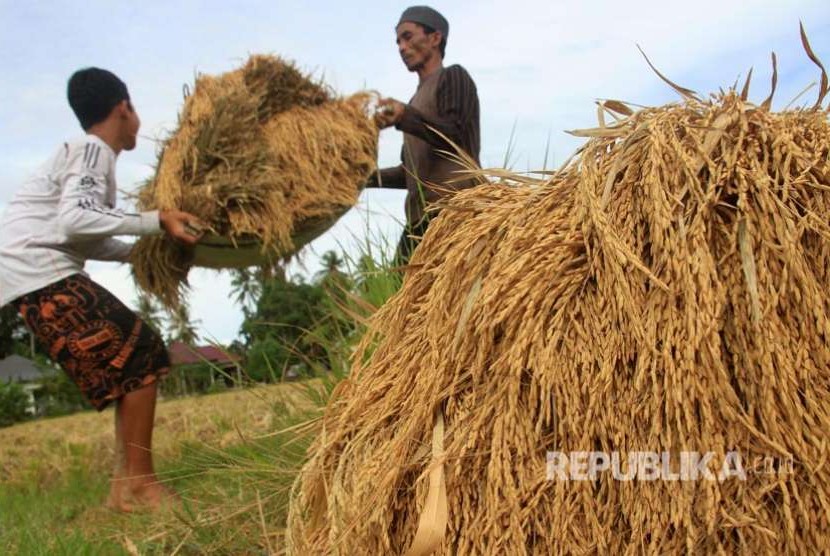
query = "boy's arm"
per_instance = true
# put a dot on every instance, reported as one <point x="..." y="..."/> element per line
<point x="107" y="249"/>
<point x="84" y="212"/>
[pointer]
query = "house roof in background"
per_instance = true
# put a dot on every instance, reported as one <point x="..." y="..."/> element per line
<point x="183" y="354"/>
<point x="15" y="367"/>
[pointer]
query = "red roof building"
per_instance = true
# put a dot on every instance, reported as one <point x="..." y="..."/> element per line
<point x="183" y="354"/>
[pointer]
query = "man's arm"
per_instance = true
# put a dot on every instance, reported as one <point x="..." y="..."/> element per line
<point x="457" y="101"/>
<point x="393" y="177"/>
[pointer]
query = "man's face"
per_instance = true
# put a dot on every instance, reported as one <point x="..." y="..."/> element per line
<point x="415" y="45"/>
<point x="130" y="127"/>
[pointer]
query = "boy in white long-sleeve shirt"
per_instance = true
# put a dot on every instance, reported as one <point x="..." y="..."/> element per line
<point x="62" y="216"/>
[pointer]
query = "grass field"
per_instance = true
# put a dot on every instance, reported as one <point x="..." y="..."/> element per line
<point x="232" y="456"/>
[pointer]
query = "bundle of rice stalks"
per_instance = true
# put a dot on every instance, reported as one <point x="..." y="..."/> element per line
<point x="664" y="292"/>
<point x="263" y="155"/>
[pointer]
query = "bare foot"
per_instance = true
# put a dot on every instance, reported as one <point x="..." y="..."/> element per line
<point x="140" y="494"/>
<point x="117" y="496"/>
<point x="154" y="495"/>
<point x="115" y="501"/>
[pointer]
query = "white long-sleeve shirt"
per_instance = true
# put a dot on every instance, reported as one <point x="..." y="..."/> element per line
<point x="64" y="215"/>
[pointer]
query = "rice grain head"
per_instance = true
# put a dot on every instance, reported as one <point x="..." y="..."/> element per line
<point x="665" y="291"/>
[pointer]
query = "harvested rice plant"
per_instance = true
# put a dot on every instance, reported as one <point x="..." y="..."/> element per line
<point x="664" y="291"/>
<point x="267" y="158"/>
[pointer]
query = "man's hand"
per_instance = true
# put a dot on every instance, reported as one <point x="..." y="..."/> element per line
<point x="181" y="226"/>
<point x="390" y="112"/>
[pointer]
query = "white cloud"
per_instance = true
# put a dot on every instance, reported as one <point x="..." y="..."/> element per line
<point x="538" y="66"/>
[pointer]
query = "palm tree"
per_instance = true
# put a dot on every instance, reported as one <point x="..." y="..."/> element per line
<point x="181" y="328"/>
<point x="332" y="263"/>
<point x="246" y="287"/>
<point x="148" y="310"/>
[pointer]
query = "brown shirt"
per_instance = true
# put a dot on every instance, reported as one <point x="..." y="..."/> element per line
<point x="448" y="102"/>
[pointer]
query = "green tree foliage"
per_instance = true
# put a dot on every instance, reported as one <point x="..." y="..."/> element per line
<point x="14" y="403"/>
<point x="275" y="330"/>
<point x="14" y="338"/>
<point x="313" y="326"/>
<point x="58" y="395"/>
<point x="268" y="360"/>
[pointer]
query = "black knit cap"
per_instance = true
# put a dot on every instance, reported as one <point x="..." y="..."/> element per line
<point x="93" y="93"/>
<point x="426" y="16"/>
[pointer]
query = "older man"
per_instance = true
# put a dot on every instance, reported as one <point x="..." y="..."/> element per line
<point x="444" y="108"/>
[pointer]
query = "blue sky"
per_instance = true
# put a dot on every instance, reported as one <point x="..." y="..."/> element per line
<point x="538" y="66"/>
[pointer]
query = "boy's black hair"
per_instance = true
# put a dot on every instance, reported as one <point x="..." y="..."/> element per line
<point x="93" y="93"/>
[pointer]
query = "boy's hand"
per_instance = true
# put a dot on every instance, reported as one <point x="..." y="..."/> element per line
<point x="181" y="226"/>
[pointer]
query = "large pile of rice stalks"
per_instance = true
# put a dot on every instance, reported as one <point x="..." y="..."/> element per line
<point x="261" y="153"/>
<point x="665" y="291"/>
